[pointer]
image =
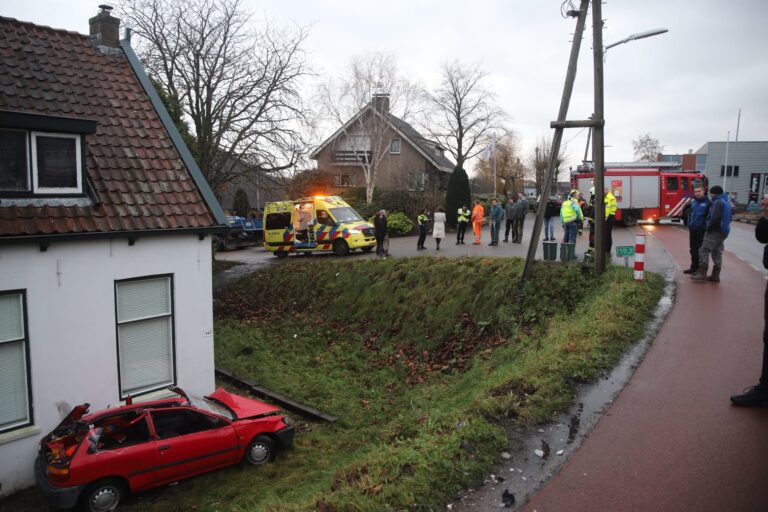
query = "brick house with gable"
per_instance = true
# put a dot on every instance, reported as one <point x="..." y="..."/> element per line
<point x="105" y="247"/>
<point x="409" y="161"/>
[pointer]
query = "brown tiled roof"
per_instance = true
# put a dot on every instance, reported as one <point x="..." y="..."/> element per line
<point x="139" y="178"/>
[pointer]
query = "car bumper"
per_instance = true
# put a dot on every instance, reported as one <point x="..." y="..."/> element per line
<point x="285" y="435"/>
<point x="59" y="497"/>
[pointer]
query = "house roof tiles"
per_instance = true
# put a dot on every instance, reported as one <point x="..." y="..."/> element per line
<point x="132" y="165"/>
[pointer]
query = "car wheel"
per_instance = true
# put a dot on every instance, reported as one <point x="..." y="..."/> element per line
<point x="103" y="495"/>
<point x="281" y="254"/>
<point x="260" y="451"/>
<point x="219" y="243"/>
<point x="340" y="248"/>
<point x="629" y="218"/>
<point x="367" y="249"/>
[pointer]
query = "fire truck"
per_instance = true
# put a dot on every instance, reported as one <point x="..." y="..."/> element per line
<point x="645" y="191"/>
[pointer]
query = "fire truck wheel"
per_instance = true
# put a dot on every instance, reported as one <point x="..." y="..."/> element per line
<point x="629" y="218"/>
<point x="686" y="212"/>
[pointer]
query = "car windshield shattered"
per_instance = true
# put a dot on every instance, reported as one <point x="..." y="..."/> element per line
<point x="345" y="214"/>
<point x="209" y="405"/>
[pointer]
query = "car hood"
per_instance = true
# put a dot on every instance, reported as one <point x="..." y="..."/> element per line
<point x="241" y="406"/>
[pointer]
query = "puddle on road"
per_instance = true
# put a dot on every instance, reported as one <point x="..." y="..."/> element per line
<point x="526" y="470"/>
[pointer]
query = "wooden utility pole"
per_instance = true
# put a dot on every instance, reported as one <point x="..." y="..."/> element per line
<point x="559" y="126"/>
<point x="598" y="140"/>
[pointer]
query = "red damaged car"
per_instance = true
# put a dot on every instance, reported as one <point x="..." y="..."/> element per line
<point x="94" y="460"/>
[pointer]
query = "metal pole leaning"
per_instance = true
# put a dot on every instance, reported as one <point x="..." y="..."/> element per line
<point x="557" y="137"/>
<point x="598" y="139"/>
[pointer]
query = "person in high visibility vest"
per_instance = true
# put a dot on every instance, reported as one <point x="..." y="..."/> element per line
<point x="610" y="218"/>
<point x="570" y="213"/>
<point x="421" y="220"/>
<point x="462" y="219"/>
<point x="478" y="212"/>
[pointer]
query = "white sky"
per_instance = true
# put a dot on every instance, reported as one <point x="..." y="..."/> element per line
<point x="684" y="87"/>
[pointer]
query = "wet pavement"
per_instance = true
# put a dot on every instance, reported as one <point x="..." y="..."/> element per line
<point x="671" y="441"/>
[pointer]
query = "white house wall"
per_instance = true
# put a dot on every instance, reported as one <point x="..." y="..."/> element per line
<point x="71" y="327"/>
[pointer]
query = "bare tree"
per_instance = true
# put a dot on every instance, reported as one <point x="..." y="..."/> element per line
<point x="463" y="111"/>
<point x="236" y="82"/>
<point x="510" y="171"/>
<point x="646" y="148"/>
<point x="538" y="161"/>
<point x="361" y="103"/>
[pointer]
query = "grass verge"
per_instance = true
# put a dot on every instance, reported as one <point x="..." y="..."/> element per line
<point x="421" y="358"/>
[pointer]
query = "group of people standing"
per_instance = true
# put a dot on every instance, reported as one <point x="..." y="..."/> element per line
<point x="709" y="223"/>
<point x="575" y="211"/>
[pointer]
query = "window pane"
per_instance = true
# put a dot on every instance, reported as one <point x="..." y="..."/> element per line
<point x="278" y="220"/>
<point x="394" y="146"/>
<point x="13" y="160"/>
<point x="672" y="183"/>
<point x="146" y="354"/>
<point x="11" y="319"/>
<point x="13" y="384"/>
<point x="143" y="299"/>
<point x="56" y="162"/>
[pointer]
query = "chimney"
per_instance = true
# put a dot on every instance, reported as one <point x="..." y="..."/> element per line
<point x="105" y="30"/>
<point x="381" y="102"/>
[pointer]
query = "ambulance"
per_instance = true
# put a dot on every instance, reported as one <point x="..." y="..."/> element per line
<point x="315" y="224"/>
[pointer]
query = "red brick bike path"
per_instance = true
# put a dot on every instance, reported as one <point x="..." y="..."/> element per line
<point x="671" y="441"/>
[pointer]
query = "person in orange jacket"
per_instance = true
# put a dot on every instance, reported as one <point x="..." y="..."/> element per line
<point x="478" y="212"/>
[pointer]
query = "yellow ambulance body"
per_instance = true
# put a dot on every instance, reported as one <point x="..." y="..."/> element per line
<point x="314" y="224"/>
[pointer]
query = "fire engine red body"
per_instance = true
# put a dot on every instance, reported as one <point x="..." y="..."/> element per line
<point x="644" y="191"/>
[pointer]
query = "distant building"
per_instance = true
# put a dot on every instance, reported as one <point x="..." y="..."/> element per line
<point x="409" y="161"/>
<point x="746" y="175"/>
<point x="686" y="162"/>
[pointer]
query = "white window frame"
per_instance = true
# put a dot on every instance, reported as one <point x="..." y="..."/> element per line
<point x="172" y="341"/>
<point x="24" y="340"/>
<point x="26" y="151"/>
<point x="399" y="145"/>
<point x="78" y="164"/>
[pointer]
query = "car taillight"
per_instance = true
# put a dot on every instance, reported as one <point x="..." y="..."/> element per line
<point x="58" y="472"/>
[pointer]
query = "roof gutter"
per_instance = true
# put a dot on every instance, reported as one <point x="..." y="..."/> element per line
<point x="131" y="236"/>
<point x="170" y="127"/>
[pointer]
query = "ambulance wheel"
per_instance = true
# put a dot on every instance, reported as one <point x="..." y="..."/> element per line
<point x="366" y="249"/>
<point x="340" y="248"/>
<point x="629" y="218"/>
<point x="281" y="254"/>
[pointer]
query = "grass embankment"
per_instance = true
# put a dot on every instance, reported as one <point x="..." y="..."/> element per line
<point x="420" y="358"/>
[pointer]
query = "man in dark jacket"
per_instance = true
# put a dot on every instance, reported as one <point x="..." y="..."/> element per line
<point x="697" y="225"/>
<point x="521" y="210"/>
<point x="718" y="227"/>
<point x="509" y="214"/>
<point x="758" y="395"/>
<point x="380" y="231"/>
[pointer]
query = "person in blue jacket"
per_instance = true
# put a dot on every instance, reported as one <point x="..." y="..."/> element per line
<point x="697" y="225"/>
<point x="718" y="227"/>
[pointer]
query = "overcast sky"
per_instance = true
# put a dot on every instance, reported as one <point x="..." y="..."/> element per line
<point x="684" y="87"/>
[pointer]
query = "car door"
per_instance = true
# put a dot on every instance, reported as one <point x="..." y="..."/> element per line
<point x="191" y="442"/>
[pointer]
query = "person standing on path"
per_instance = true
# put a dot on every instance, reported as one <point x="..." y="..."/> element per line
<point x="380" y="231"/>
<point x="496" y="216"/>
<point x="718" y="228"/>
<point x="521" y="210"/>
<point x="697" y="225"/>
<point x="509" y="214"/>
<point x="422" y="222"/>
<point x="438" y="227"/>
<point x="462" y="219"/>
<point x="569" y="214"/>
<point x="610" y="219"/>
<point x="478" y="212"/>
<point x="758" y="395"/>
<point x="551" y="211"/>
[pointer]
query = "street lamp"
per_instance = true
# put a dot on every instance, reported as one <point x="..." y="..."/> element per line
<point x="639" y="35"/>
<point x="598" y="143"/>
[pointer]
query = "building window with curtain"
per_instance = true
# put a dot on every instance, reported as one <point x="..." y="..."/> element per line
<point x="15" y="387"/>
<point x="145" y="339"/>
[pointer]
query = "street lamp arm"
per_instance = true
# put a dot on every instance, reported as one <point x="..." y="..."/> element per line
<point x="639" y="35"/>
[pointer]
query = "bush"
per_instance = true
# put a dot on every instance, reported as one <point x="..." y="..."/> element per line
<point x="399" y="225"/>
<point x="240" y="205"/>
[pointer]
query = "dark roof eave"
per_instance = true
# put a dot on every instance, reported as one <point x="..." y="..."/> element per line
<point x="101" y="235"/>
<point x="170" y="128"/>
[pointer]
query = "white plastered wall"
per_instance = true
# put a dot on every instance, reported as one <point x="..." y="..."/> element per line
<point x="71" y="323"/>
